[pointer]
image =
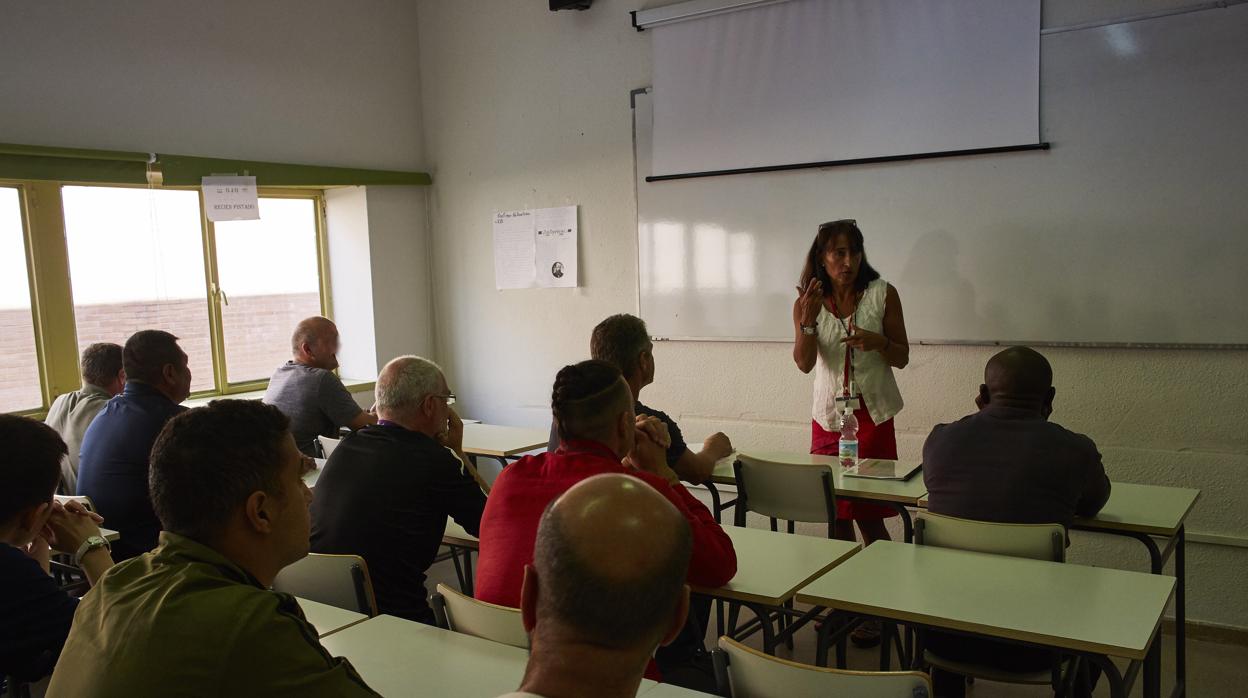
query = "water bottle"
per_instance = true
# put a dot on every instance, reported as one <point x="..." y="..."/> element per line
<point x="848" y="451"/>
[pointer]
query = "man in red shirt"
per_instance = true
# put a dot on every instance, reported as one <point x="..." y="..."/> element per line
<point x="593" y="410"/>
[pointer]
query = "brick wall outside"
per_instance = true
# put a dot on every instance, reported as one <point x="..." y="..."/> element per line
<point x="257" y="337"/>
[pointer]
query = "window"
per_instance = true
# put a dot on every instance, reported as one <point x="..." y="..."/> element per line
<point x="20" y="386"/>
<point x="269" y="275"/>
<point x="136" y="262"/>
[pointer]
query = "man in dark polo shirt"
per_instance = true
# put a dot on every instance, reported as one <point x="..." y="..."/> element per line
<point x="307" y="390"/>
<point x="622" y="340"/>
<point x="387" y="489"/>
<point x="1007" y="463"/>
<point x="112" y="469"/>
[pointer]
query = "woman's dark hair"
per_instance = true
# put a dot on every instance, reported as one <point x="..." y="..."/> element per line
<point x="587" y="398"/>
<point x="827" y="235"/>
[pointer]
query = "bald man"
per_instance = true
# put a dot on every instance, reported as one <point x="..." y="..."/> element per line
<point x="307" y="390"/>
<point x="1008" y="463"/>
<point x="599" y="644"/>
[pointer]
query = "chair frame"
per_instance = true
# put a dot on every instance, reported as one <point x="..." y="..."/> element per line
<point x="722" y="661"/>
<point x="437" y="601"/>
<point x="1064" y="671"/>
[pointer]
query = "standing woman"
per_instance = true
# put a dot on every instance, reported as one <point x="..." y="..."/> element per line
<point x="847" y="320"/>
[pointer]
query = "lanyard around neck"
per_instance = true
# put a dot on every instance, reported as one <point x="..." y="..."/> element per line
<point x="849" y="331"/>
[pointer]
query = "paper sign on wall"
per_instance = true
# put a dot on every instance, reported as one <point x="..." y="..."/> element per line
<point x="231" y="198"/>
<point x="535" y="248"/>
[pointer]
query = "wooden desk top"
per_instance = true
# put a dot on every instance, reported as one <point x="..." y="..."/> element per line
<point x="772" y="566"/>
<point x="1074" y="607"/>
<point x="500" y="442"/>
<point x="902" y="491"/>
<point x="329" y="619"/>
<point x="399" y="657"/>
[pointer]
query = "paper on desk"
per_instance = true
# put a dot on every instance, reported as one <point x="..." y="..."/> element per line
<point x="556" y="246"/>
<point x="514" y="247"/>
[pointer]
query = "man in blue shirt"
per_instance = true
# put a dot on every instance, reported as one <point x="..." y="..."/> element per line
<point x="112" y="469"/>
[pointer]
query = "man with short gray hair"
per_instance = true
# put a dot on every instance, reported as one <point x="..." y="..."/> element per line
<point x="71" y="413"/>
<point x="387" y="489"/>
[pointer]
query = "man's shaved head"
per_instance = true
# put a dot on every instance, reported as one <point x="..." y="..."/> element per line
<point x="310" y="331"/>
<point x="1020" y="372"/>
<point x="611" y="559"/>
<point x="315" y="343"/>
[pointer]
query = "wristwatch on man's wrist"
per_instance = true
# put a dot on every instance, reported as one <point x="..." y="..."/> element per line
<point x="91" y="543"/>
<point x="810" y="329"/>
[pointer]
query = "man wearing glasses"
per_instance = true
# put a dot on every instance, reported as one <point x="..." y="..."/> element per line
<point x="387" y="489"/>
<point x="307" y="391"/>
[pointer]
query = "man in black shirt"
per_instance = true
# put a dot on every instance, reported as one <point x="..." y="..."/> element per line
<point x="35" y="614"/>
<point x="623" y="340"/>
<point x="387" y="489"/>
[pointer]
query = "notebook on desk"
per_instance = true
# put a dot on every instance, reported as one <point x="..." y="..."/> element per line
<point x="876" y="469"/>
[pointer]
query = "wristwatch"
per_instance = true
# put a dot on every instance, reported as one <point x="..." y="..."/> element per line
<point x="810" y="329"/>
<point x="91" y="543"/>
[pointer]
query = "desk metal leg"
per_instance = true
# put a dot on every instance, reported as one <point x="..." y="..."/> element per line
<point x="1180" y="615"/>
<point x="1117" y="687"/>
<point x="715" y="507"/>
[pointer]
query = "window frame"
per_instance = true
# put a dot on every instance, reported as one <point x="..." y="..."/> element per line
<point x="51" y="291"/>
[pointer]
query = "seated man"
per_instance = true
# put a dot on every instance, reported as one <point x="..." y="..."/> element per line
<point x="196" y="616"/>
<point x="71" y="413"/>
<point x="1007" y="463"/>
<point x="307" y="390"/>
<point x="113" y="468"/>
<point x="34" y="613"/>
<point x="622" y="340"/>
<point x="598" y="644"/>
<point x="593" y="409"/>
<point x="387" y="489"/>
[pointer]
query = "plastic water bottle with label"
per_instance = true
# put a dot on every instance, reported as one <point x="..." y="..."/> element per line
<point x="848" y="451"/>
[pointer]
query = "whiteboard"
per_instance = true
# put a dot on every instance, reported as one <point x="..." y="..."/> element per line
<point x="1133" y="229"/>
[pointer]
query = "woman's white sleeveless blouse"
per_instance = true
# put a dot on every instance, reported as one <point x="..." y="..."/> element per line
<point x="872" y="375"/>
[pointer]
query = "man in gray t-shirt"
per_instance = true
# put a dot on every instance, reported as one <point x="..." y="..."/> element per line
<point x="307" y="391"/>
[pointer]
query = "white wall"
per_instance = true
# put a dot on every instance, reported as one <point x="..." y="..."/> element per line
<point x="524" y="107"/>
<point x="302" y="81"/>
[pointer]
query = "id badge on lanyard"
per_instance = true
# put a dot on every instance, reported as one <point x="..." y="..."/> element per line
<point x="847" y="401"/>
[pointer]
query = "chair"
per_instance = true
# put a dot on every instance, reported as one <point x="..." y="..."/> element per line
<point x="336" y="580"/>
<point x="788" y="491"/>
<point x="745" y="672"/>
<point x="1034" y="541"/>
<point x="327" y="445"/>
<point x="464" y="614"/>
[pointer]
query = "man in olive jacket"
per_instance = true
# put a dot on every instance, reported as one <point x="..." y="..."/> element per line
<point x="196" y="615"/>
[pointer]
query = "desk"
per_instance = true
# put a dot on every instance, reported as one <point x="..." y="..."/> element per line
<point x="328" y="619"/>
<point x="1145" y="513"/>
<point x="1089" y="611"/>
<point x="667" y="690"/>
<point x="109" y="534"/>
<point x="310" y="477"/>
<point x="771" y="567"/>
<point x="463" y="543"/>
<point x="895" y="494"/>
<point x="502" y="442"/>
<point x="400" y="658"/>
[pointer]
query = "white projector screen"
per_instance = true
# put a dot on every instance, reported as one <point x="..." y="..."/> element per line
<point x="806" y="81"/>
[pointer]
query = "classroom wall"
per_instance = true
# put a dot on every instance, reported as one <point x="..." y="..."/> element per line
<point x="301" y="81"/>
<point x="528" y="108"/>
